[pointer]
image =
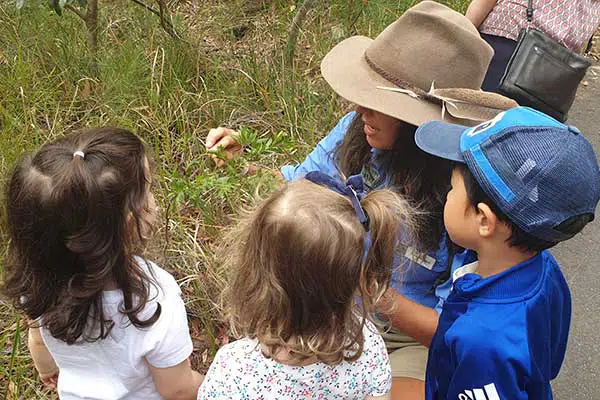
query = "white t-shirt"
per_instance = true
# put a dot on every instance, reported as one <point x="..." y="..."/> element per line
<point x="241" y="371"/>
<point x="116" y="367"/>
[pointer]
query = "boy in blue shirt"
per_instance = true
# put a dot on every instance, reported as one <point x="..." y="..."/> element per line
<point x="522" y="183"/>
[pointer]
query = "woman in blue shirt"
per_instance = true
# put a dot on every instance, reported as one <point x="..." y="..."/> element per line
<point x="392" y="80"/>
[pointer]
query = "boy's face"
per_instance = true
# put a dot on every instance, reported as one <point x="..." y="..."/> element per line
<point x="460" y="217"/>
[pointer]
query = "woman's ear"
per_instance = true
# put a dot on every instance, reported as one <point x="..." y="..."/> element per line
<point x="488" y="221"/>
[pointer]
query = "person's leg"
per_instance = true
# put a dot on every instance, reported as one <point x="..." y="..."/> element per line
<point x="407" y="389"/>
<point x="408" y="372"/>
<point x="503" y="50"/>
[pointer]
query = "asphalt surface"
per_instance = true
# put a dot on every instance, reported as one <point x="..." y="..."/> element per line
<point x="580" y="261"/>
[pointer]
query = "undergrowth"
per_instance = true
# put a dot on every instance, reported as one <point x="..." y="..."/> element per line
<point x="229" y="70"/>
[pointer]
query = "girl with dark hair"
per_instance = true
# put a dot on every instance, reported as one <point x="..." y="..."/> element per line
<point x="104" y="322"/>
<point x="426" y="66"/>
<point x="302" y="333"/>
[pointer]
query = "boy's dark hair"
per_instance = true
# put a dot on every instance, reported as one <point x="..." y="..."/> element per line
<point x="518" y="238"/>
<point x="75" y="211"/>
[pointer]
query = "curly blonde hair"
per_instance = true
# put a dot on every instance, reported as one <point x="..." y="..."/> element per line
<point x="298" y="264"/>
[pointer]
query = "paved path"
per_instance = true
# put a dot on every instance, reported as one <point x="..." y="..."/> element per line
<point x="580" y="260"/>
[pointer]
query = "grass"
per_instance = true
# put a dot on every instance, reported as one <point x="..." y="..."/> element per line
<point x="230" y="71"/>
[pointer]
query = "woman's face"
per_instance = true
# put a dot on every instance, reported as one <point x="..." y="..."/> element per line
<point x="381" y="130"/>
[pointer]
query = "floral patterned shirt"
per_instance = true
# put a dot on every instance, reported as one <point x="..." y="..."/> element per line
<point x="241" y="371"/>
<point x="569" y="22"/>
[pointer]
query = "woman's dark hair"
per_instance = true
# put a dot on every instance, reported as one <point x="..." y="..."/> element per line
<point x="73" y="221"/>
<point x="518" y="238"/>
<point x="420" y="177"/>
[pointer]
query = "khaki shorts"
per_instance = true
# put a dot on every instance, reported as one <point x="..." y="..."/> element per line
<point x="407" y="356"/>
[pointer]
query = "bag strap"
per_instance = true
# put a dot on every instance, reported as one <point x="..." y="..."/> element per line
<point x="529" y="13"/>
<point x="588" y="48"/>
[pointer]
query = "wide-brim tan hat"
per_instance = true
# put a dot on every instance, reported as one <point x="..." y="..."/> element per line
<point x="426" y="66"/>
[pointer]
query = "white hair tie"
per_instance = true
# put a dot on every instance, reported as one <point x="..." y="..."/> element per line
<point x="79" y="153"/>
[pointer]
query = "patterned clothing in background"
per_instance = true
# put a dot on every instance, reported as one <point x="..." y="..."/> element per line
<point x="569" y="22"/>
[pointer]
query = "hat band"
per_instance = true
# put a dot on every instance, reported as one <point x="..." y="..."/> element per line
<point x="398" y="81"/>
<point x="455" y="101"/>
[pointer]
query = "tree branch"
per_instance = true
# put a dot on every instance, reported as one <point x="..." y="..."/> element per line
<point x="161" y="14"/>
<point x="91" y="22"/>
<point x="79" y="13"/>
<point x="147" y="7"/>
<point x="294" y="29"/>
<point x="165" y="22"/>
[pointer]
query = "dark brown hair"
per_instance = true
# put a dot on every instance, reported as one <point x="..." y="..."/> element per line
<point x="518" y="237"/>
<point x="420" y="177"/>
<point x="73" y="222"/>
<point x="297" y="263"/>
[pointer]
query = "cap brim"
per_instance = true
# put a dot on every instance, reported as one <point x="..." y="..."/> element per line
<point x="441" y="139"/>
<point x="347" y="72"/>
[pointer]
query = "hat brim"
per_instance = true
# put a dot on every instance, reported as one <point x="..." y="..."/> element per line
<point x="441" y="139"/>
<point x="347" y="72"/>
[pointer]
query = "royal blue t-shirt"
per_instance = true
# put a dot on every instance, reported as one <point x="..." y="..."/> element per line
<point x="501" y="337"/>
<point x="414" y="274"/>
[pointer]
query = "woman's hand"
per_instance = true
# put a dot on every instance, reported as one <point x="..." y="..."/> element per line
<point x="224" y="146"/>
<point x="225" y="140"/>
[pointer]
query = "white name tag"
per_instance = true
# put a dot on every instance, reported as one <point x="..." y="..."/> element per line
<point x="420" y="258"/>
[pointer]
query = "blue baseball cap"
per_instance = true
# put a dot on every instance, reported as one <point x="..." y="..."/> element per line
<point x="538" y="171"/>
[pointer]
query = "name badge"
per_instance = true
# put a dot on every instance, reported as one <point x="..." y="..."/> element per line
<point x="420" y="258"/>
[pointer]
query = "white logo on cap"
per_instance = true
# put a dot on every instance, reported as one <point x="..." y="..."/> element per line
<point x="485" y="126"/>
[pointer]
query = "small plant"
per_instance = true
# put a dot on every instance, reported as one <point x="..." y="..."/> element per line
<point x="258" y="148"/>
<point x="87" y="10"/>
<point x="171" y="93"/>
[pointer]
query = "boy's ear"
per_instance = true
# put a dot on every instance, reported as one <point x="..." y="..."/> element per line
<point x="488" y="221"/>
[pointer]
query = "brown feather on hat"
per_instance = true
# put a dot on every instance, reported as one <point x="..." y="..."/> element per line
<point x="395" y="74"/>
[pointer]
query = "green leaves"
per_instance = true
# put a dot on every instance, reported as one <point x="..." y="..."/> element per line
<point x="56" y="5"/>
<point x="259" y="146"/>
<point x="59" y="5"/>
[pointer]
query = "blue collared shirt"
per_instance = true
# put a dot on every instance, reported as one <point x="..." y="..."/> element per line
<point x="414" y="274"/>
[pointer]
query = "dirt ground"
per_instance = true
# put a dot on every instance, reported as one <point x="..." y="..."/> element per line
<point x="580" y="261"/>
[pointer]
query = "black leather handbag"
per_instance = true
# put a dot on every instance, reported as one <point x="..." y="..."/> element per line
<point x="543" y="74"/>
